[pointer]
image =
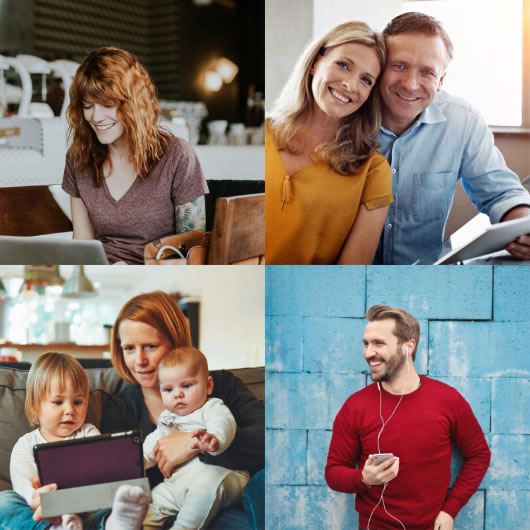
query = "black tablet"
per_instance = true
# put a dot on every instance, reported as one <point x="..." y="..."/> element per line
<point x="91" y="460"/>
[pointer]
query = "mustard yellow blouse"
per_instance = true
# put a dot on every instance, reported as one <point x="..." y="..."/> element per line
<point x="313" y="226"/>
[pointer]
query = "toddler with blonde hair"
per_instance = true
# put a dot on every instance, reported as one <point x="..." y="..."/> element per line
<point x="57" y="392"/>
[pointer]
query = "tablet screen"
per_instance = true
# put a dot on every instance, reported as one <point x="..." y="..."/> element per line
<point x="92" y="460"/>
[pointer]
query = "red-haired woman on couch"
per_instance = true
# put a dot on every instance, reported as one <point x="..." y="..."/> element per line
<point x="130" y="181"/>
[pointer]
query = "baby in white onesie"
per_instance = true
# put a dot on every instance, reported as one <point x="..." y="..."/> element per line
<point x="56" y="401"/>
<point x="196" y="491"/>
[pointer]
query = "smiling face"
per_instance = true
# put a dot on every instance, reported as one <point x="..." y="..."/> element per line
<point x="184" y="388"/>
<point x="105" y="121"/>
<point x="382" y="350"/>
<point x="342" y="80"/>
<point x="62" y="412"/>
<point x="414" y="73"/>
<point x="143" y="347"/>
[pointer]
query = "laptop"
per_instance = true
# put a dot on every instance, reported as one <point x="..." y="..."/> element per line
<point x="15" y="250"/>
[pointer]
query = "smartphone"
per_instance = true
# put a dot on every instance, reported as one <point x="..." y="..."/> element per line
<point x="381" y="457"/>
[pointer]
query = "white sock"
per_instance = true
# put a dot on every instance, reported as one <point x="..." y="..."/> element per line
<point x="68" y="522"/>
<point x="128" y="509"/>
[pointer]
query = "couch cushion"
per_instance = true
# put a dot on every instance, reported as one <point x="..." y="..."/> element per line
<point x="104" y="382"/>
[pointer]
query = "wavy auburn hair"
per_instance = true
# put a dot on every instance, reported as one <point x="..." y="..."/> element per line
<point x="355" y="138"/>
<point x="158" y="310"/>
<point x="112" y="76"/>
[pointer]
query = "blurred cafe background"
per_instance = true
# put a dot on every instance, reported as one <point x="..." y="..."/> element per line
<point x="72" y="309"/>
<point x="206" y="58"/>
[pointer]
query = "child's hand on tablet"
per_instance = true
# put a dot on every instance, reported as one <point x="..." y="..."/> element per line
<point x="35" y="500"/>
<point x="205" y="442"/>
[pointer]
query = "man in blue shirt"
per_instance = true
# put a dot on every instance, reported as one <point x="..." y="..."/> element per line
<point x="431" y="139"/>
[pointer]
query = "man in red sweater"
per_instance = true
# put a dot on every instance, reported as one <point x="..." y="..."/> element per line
<point x="421" y="418"/>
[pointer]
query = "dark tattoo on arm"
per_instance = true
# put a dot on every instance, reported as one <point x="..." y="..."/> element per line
<point x="191" y="216"/>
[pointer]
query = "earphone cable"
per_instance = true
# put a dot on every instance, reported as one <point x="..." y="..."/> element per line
<point x="381" y="499"/>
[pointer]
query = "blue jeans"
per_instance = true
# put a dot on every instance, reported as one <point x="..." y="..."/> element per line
<point x="15" y="514"/>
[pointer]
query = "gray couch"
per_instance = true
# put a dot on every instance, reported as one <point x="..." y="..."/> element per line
<point x="104" y="383"/>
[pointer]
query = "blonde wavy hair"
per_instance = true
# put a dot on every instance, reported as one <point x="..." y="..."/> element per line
<point x="355" y="138"/>
<point x="112" y="76"/>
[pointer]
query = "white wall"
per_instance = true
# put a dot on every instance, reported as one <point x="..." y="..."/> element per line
<point x="232" y="319"/>
<point x="330" y="13"/>
<point x="288" y="29"/>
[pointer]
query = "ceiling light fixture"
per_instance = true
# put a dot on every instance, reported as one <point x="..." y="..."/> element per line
<point x="78" y="285"/>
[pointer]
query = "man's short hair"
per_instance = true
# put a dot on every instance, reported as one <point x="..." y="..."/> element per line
<point x="406" y="328"/>
<point x="414" y="22"/>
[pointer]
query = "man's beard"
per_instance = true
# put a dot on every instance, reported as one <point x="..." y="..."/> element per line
<point x="391" y="368"/>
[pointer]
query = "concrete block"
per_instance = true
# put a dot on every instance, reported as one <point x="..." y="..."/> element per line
<point x="268" y="288"/>
<point x="507" y="509"/>
<point x="422" y="353"/>
<point x="510" y="462"/>
<point x="433" y="292"/>
<point x="286" y="457"/>
<point x="510" y="411"/>
<point x="307" y="401"/>
<point x="333" y="291"/>
<point x="471" y="516"/>
<point x="317" y="456"/>
<point x="476" y="391"/>
<point x="334" y="345"/>
<point x="308" y="507"/>
<point x="511" y="299"/>
<point x="284" y="344"/>
<point x="479" y="349"/>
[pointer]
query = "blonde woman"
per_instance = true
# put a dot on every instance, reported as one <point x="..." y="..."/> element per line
<point x="327" y="188"/>
<point x="130" y="181"/>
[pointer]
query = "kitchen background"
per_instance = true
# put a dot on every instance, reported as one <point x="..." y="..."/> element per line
<point x="51" y="309"/>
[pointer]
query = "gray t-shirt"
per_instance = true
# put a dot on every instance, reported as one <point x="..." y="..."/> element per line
<point x="146" y="211"/>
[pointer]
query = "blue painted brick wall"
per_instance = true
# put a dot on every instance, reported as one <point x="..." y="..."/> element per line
<point x="475" y="336"/>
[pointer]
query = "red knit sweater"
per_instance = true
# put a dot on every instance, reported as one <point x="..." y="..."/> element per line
<point x="420" y="433"/>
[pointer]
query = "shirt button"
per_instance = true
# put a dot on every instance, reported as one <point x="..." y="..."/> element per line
<point x="397" y="141"/>
<point x="389" y="226"/>
<point x="388" y="254"/>
<point x="393" y="170"/>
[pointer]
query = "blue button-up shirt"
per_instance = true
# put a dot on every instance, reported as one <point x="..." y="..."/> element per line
<point x="449" y="141"/>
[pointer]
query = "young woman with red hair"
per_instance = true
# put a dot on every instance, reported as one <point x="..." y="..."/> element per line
<point x="130" y="181"/>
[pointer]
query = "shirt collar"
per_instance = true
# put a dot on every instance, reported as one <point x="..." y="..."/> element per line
<point x="432" y="114"/>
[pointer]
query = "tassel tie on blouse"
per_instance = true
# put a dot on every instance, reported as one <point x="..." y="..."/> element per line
<point x="287" y="195"/>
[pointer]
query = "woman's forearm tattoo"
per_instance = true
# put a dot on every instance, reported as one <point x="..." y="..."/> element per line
<point x="191" y="216"/>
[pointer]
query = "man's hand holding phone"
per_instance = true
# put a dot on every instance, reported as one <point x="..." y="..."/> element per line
<point x="379" y="469"/>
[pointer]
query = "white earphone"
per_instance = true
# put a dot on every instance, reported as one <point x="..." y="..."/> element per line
<point x="384" y="422"/>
